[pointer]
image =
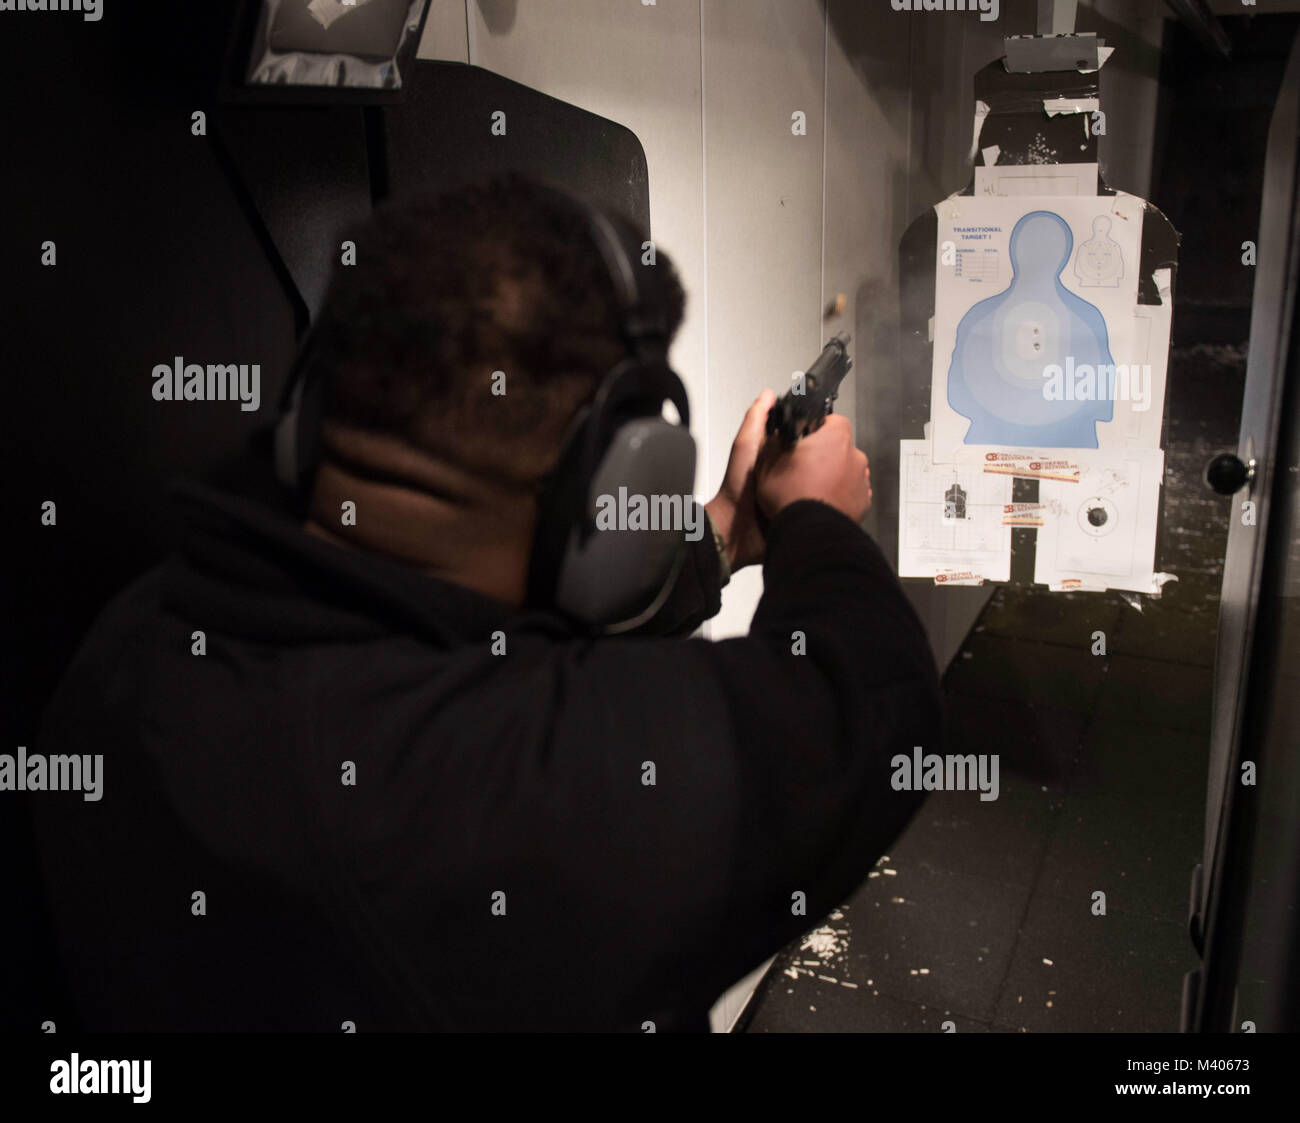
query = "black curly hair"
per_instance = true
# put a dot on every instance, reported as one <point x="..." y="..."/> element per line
<point x="450" y="287"/>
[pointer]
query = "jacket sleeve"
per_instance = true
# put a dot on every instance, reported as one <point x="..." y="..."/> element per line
<point x="834" y="679"/>
<point x="772" y="766"/>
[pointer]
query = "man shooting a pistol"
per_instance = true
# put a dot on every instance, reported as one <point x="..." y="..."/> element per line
<point x="403" y="789"/>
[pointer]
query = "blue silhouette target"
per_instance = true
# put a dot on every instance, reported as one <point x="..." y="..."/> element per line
<point x="1005" y="344"/>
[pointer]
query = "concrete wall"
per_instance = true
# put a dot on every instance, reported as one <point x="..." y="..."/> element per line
<point x="767" y="225"/>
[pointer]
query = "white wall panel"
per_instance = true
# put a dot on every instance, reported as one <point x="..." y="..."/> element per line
<point x="446" y="36"/>
<point x="763" y="62"/>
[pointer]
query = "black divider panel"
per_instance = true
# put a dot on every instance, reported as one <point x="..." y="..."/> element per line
<point x="306" y="176"/>
<point x="441" y="136"/>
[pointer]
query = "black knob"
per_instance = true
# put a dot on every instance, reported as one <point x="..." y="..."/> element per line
<point x="1226" y="473"/>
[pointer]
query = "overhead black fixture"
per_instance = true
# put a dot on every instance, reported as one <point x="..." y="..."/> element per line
<point x="331" y="51"/>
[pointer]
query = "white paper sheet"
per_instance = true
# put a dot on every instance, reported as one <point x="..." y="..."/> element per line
<point x="1055" y="106"/>
<point x="993" y="178"/>
<point x="1103" y="53"/>
<point x="1101" y="531"/>
<point x="950" y="518"/>
<point x="1039" y="342"/>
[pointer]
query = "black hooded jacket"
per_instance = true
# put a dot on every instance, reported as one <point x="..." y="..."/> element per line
<point x="377" y="798"/>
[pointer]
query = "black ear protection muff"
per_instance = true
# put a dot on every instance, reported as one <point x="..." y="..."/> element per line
<point x="615" y="512"/>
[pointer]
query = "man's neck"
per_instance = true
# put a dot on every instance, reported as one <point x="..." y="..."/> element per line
<point x="386" y="498"/>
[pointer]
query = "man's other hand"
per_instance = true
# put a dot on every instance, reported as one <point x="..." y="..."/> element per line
<point x="734" y="510"/>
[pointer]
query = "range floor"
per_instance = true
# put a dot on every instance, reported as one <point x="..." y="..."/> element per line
<point x="982" y="913"/>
